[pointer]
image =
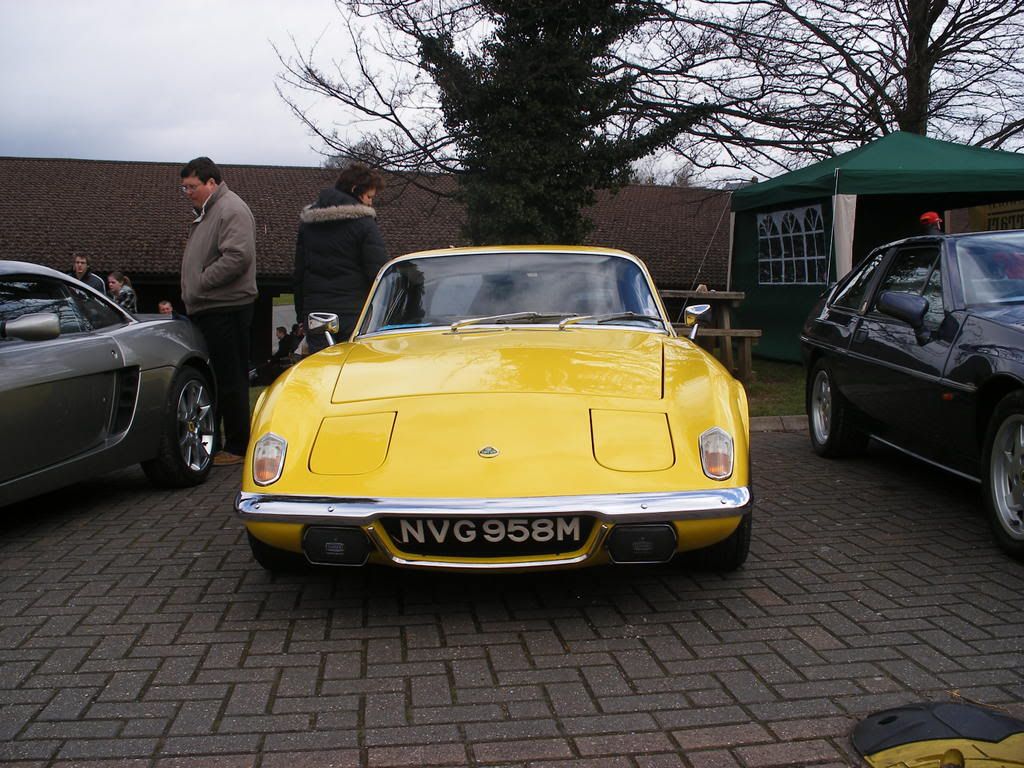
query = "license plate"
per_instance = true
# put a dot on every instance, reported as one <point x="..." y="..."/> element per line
<point x="482" y="537"/>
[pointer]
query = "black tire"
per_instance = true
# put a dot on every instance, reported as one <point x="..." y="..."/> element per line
<point x="1003" y="474"/>
<point x="275" y="560"/>
<point x="829" y="417"/>
<point x="728" y="554"/>
<point x="186" y="437"/>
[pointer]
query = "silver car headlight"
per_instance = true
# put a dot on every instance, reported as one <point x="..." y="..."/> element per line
<point x="716" y="453"/>
<point x="268" y="459"/>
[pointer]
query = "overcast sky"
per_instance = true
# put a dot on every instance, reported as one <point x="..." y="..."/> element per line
<point x="154" y="79"/>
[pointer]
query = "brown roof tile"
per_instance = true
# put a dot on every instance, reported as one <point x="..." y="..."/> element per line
<point x="131" y="216"/>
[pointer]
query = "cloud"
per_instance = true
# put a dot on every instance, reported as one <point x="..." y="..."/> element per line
<point x="153" y="80"/>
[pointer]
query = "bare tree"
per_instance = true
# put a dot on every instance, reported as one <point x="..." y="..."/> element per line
<point x="663" y="171"/>
<point x="741" y="85"/>
<point x="811" y="78"/>
<point x="531" y="104"/>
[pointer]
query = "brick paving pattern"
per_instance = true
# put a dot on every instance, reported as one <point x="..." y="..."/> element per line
<point x="135" y="630"/>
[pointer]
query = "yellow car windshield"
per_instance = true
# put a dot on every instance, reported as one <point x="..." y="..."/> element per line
<point x="511" y="288"/>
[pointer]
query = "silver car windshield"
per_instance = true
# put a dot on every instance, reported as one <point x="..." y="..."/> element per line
<point x="992" y="268"/>
<point x="521" y="288"/>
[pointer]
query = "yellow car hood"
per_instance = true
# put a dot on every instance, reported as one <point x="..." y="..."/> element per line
<point x="625" y="365"/>
<point x="524" y="412"/>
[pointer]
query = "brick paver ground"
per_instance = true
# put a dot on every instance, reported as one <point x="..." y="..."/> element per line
<point x="136" y="630"/>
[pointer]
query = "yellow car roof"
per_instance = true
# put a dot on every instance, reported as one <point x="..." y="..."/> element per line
<point x="517" y="249"/>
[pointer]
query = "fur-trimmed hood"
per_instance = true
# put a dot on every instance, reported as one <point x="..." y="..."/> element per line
<point x="338" y="252"/>
<point x="334" y="205"/>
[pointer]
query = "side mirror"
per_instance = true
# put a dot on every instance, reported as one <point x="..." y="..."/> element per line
<point x="323" y="322"/>
<point x="692" y="314"/>
<point x="38" y="326"/>
<point x="908" y="307"/>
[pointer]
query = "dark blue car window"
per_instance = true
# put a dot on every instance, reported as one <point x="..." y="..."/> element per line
<point x="992" y="267"/>
<point x="910" y="269"/>
<point x="933" y="292"/>
<point x="852" y="294"/>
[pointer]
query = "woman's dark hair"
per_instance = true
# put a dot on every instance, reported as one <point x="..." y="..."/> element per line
<point x="203" y="168"/>
<point x="358" y="178"/>
<point x="121" y="277"/>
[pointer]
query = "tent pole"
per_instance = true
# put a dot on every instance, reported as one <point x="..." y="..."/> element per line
<point x="832" y="234"/>
<point x="728" y="264"/>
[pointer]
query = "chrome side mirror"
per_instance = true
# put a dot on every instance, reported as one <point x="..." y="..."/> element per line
<point x="38" y="326"/>
<point x="323" y="322"/>
<point x="692" y="314"/>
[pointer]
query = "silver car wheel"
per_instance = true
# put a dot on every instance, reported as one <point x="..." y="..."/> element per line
<point x="821" y="407"/>
<point x="1006" y="474"/>
<point x="195" y="425"/>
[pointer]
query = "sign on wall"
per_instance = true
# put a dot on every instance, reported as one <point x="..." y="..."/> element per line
<point x="997" y="216"/>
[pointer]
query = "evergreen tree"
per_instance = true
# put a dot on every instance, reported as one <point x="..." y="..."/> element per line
<point x="533" y="111"/>
<point x="538" y="108"/>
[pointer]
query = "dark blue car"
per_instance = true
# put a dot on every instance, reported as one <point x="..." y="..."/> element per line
<point x="921" y="347"/>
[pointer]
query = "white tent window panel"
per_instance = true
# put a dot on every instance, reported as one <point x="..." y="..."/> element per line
<point x="791" y="247"/>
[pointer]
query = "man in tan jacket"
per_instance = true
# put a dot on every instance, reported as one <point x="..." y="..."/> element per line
<point x="218" y="286"/>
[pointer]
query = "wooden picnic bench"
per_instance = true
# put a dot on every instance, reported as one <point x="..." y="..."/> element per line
<point x="720" y="337"/>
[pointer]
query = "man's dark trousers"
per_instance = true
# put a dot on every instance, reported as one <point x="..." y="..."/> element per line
<point x="227" y="334"/>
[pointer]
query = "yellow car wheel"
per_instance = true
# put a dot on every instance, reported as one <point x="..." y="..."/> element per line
<point x="727" y="555"/>
<point x="273" y="559"/>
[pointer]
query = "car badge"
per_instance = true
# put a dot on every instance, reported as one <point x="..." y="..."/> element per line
<point x="488" y="452"/>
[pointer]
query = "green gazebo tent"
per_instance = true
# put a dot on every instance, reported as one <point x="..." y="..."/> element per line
<point x="796" y="234"/>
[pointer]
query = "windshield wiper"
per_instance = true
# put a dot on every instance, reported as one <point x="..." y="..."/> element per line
<point x="508" y="318"/>
<point x="598" y="319"/>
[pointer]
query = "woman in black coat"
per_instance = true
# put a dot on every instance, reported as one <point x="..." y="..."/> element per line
<point x="339" y="251"/>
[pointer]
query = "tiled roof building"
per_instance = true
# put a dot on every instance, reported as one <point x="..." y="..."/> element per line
<point x="131" y="216"/>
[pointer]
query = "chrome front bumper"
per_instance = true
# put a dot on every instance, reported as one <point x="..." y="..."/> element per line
<point x="607" y="508"/>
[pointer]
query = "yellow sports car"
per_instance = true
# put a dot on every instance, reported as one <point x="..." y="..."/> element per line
<point x="502" y="408"/>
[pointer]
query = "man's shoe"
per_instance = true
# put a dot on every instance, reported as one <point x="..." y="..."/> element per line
<point x="225" y="459"/>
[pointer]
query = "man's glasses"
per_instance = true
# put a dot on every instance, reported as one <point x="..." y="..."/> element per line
<point x="186" y="188"/>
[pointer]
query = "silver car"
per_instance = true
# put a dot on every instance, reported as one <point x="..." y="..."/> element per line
<point x="86" y="388"/>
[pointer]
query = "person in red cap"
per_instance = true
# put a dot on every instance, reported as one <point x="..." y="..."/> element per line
<point x="931" y="223"/>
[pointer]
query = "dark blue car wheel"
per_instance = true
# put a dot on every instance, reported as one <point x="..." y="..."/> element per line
<point x="1003" y="486"/>
<point x="830" y="419"/>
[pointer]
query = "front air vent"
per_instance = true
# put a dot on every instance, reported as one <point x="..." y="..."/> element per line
<point x="126" y="394"/>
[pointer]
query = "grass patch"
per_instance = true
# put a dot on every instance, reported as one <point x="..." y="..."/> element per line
<point x="777" y="389"/>
<point x="284" y="300"/>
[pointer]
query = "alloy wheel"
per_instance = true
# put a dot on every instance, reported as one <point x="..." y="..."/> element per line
<point x="821" y="407"/>
<point x="1006" y="474"/>
<point x="195" y="425"/>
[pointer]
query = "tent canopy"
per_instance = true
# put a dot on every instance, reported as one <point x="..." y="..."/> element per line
<point x="866" y="197"/>
<point x="899" y="163"/>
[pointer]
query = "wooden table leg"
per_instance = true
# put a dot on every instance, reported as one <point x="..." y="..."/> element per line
<point x="726" y="324"/>
<point x="726" y="347"/>
<point x="746" y="363"/>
